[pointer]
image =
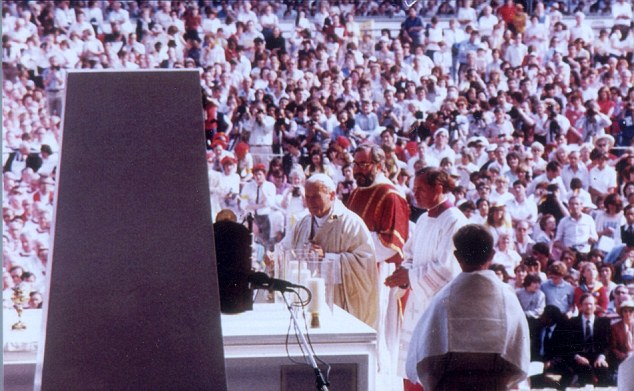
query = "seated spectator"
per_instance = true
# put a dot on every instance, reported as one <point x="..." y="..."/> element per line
<point x="523" y="243"/>
<point x="589" y="345"/>
<point x="533" y="266"/>
<point x="548" y="345"/>
<point x="619" y="295"/>
<point x="606" y="274"/>
<point x="500" y="272"/>
<point x="505" y="255"/>
<point x="622" y="336"/>
<point x="531" y="298"/>
<point x="577" y="231"/>
<point x="590" y="284"/>
<point x="519" y="274"/>
<point x="497" y="222"/>
<point x="558" y="292"/>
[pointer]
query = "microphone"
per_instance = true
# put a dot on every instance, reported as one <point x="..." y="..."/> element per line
<point x="259" y="280"/>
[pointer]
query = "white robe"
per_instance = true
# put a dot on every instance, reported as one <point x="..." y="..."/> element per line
<point x="346" y="240"/>
<point x="431" y="263"/>
<point x="474" y="317"/>
<point x="626" y="374"/>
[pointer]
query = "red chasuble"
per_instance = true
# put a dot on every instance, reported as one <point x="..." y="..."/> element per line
<point x="385" y="212"/>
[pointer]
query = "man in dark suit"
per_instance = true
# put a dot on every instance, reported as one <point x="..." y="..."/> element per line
<point x="589" y="343"/>
<point x="21" y="159"/>
<point x="293" y="157"/>
<point x="548" y="345"/>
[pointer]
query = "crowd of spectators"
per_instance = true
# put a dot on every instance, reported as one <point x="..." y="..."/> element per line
<point x="530" y="111"/>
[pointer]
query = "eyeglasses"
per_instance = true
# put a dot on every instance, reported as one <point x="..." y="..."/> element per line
<point x="363" y="165"/>
<point x="621" y="293"/>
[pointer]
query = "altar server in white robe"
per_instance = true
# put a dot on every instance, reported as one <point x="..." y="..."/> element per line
<point x="335" y="233"/>
<point x="429" y="261"/>
<point x="474" y="335"/>
<point x="626" y="374"/>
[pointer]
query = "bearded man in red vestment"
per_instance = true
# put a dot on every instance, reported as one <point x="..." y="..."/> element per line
<point x="386" y="213"/>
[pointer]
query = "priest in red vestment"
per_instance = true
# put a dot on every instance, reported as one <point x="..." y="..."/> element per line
<point x="386" y="213"/>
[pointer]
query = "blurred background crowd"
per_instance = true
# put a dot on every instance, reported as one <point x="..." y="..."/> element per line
<point x="529" y="105"/>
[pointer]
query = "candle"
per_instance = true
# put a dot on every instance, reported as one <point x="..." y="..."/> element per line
<point x="317" y="287"/>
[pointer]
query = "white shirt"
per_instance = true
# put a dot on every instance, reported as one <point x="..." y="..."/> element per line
<point x="262" y="134"/>
<point x="249" y="196"/>
<point x="563" y="193"/>
<point x="526" y="210"/>
<point x="567" y="173"/>
<point x="439" y="154"/>
<point x="602" y="180"/>
<point x="622" y="9"/>
<point x="576" y="233"/>
<point x="486" y="23"/>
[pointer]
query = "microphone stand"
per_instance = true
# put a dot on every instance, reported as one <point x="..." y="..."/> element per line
<point x="320" y="381"/>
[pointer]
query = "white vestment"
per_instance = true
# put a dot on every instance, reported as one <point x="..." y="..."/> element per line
<point x="471" y="324"/>
<point x="346" y="240"/>
<point x="432" y="264"/>
<point x="626" y="374"/>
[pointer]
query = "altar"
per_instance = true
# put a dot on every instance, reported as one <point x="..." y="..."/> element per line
<point x="255" y="348"/>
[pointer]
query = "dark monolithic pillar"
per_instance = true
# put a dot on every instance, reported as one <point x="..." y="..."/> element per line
<point x="133" y="296"/>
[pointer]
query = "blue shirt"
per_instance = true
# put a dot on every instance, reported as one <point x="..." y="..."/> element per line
<point x="561" y="296"/>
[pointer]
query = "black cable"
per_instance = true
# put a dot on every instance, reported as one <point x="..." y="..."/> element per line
<point x="302" y="304"/>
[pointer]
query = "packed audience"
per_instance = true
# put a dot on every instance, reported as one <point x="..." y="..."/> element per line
<point x="530" y="111"/>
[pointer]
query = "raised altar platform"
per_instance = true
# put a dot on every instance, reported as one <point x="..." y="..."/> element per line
<point x="254" y="346"/>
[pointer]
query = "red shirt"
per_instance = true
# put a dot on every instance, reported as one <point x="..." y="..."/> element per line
<point x="507" y="13"/>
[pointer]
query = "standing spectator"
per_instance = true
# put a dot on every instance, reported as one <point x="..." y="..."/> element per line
<point x="622" y="15"/>
<point x="523" y="242"/>
<point x="54" y="78"/>
<point x="574" y="169"/>
<point x="593" y="123"/>
<point x="22" y="159"/>
<point x="258" y="197"/>
<point x="261" y="139"/>
<point x="551" y="176"/>
<point x="412" y="28"/>
<point x="268" y="21"/>
<point x="440" y="149"/>
<point x="606" y="276"/>
<point x="516" y="52"/>
<point x="366" y="119"/>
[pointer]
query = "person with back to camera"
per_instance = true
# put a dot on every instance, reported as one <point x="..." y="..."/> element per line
<point x="474" y="335"/>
